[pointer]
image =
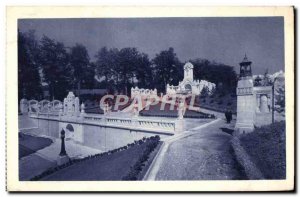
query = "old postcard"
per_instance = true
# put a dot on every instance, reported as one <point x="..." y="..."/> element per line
<point x="150" y="99"/>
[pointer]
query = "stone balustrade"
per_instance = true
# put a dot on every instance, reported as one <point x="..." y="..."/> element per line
<point x="71" y="111"/>
<point x="134" y="123"/>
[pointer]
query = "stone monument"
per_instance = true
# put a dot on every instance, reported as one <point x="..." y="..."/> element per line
<point x="254" y="103"/>
<point x="71" y="105"/>
<point x="179" y="122"/>
<point x="24" y="106"/>
<point x="245" y="99"/>
<point x="188" y="85"/>
<point x="82" y="112"/>
<point x="63" y="156"/>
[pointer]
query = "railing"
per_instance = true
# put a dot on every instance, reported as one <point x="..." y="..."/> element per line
<point x="133" y="123"/>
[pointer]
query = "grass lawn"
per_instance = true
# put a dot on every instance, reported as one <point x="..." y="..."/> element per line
<point x="219" y="103"/>
<point x="107" y="167"/>
<point x="29" y="144"/>
<point x="266" y="146"/>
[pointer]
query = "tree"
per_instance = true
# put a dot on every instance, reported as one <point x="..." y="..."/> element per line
<point x="122" y="69"/>
<point x="80" y="66"/>
<point x="280" y="99"/>
<point x="166" y="65"/>
<point x="143" y="72"/>
<point x="105" y="64"/>
<point x="29" y="80"/>
<point x="222" y="75"/>
<point x="128" y="60"/>
<point x="204" y="92"/>
<point x="54" y="61"/>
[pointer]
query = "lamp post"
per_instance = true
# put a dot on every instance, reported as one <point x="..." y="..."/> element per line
<point x="63" y="156"/>
<point x="62" y="148"/>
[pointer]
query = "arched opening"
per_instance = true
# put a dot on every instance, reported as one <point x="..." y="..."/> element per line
<point x="70" y="132"/>
<point x="188" y="87"/>
<point x="70" y="128"/>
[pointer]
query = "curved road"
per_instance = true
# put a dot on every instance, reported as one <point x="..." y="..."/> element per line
<point x="204" y="153"/>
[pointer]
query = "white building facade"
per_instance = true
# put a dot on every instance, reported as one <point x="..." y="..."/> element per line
<point x="188" y="85"/>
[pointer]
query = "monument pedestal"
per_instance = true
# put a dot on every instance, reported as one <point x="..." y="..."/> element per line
<point x="62" y="159"/>
<point x="245" y="106"/>
<point x="179" y="125"/>
<point x="241" y="128"/>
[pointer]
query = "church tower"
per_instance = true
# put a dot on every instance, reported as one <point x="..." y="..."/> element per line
<point x="188" y="71"/>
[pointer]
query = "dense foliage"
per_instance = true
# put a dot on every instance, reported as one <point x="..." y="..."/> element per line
<point x="135" y="170"/>
<point x="267" y="147"/>
<point x="49" y="65"/>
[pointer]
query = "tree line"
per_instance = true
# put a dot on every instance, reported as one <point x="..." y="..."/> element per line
<point x="46" y="64"/>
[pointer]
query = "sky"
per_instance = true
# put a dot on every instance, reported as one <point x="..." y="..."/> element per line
<point x="220" y="39"/>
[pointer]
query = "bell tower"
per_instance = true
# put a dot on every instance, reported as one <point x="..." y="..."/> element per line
<point x="245" y="68"/>
<point x="188" y="71"/>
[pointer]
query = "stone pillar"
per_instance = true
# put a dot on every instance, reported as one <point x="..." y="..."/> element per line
<point x="77" y="110"/>
<point x="179" y="125"/>
<point x="257" y="103"/>
<point x="65" y="106"/>
<point x="24" y="106"/>
<point x="246" y="106"/>
<point x="63" y="156"/>
<point x="136" y="110"/>
<point x="61" y="113"/>
<point x="181" y="110"/>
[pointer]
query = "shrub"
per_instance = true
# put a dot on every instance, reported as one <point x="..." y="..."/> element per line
<point x="134" y="172"/>
<point x="266" y="146"/>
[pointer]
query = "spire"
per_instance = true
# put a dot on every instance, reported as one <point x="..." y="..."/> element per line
<point x="245" y="58"/>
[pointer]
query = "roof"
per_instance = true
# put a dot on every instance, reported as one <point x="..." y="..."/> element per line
<point x="245" y="60"/>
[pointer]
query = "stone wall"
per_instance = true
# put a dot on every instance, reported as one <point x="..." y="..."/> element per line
<point x="48" y="127"/>
<point x="106" y="138"/>
<point x="102" y="138"/>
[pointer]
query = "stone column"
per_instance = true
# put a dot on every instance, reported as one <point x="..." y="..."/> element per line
<point x="82" y="112"/>
<point x="77" y="110"/>
<point x="60" y="106"/>
<point x="246" y="106"/>
<point x="24" y="106"/>
<point x="258" y="103"/>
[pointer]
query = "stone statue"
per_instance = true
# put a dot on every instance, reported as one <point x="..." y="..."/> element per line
<point x="181" y="110"/>
<point x="82" y="109"/>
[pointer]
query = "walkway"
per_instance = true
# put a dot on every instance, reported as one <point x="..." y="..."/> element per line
<point x="43" y="159"/>
<point x="201" y="153"/>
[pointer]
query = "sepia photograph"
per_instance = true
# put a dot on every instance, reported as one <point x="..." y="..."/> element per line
<point x="153" y="100"/>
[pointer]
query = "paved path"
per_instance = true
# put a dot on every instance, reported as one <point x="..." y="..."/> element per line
<point x="203" y="153"/>
<point x="45" y="158"/>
